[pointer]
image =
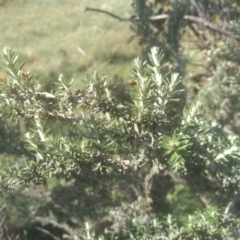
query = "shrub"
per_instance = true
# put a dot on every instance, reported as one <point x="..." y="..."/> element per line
<point x="150" y="134"/>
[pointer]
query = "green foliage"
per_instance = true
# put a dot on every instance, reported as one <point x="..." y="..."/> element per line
<point x="107" y="134"/>
<point x="106" y="126"/>
<point x="158" y="160"/>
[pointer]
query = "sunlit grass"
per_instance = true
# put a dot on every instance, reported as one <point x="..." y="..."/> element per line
<point x="48" y="34"/>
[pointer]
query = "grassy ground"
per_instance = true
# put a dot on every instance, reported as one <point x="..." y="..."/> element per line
<point x="47" y="35"/>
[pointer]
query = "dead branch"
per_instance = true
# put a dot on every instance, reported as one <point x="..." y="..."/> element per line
<point x="47" y="233"/>
<point x="108" y="13"/>
<point x="3" y="207"/>
<point x="203" y="40"/>
<point x="203" y="200"/>
<point x="201" y="21"/>
<point x="211" y="26"/>
<point x="198" y="7"/>
<point x="198" y="193"/>
<point x="198" y="20"/>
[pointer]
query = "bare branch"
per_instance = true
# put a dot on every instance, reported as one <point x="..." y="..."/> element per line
<point x="203" y="40"/>
<point x="198" y="20"/>
<point x="108" y="13"/>
<point x="203" y="200"/>
<point x="211" y="26"/>
<point x="198" y="193"/>
<point x="198" y="8"/>
<point x="47" y="233"/>
<point x="202" y="21"/>
<point x="3" y="207"/>
<point x="159" y="17"/>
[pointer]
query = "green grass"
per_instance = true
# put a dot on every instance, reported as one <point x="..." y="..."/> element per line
<point x="47" y="34"/>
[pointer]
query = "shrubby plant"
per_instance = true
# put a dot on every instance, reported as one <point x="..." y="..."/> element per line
<point x="148" y="135"/>
<point x="158" y="160"/>
<point x="201" y="40"/>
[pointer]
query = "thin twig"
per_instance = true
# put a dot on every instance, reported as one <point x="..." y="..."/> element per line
<point x="159" y="17"/>
<point x="204" y="200"/>
<point x="108" y="13"/>
<point x="62" y="226"/>
<point x="2" y="221"/>
<point x="198" y="8"/>
<point x="202" y="21"/>
<point x="174" y="178"/>
<point x="3" y="207"/>
<point x="229" y="206"/>
<point x="201" y="36"/>
<point x="47" y="233"/>
<point x="198" y="20"/>
<point x="211" y="26"/>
